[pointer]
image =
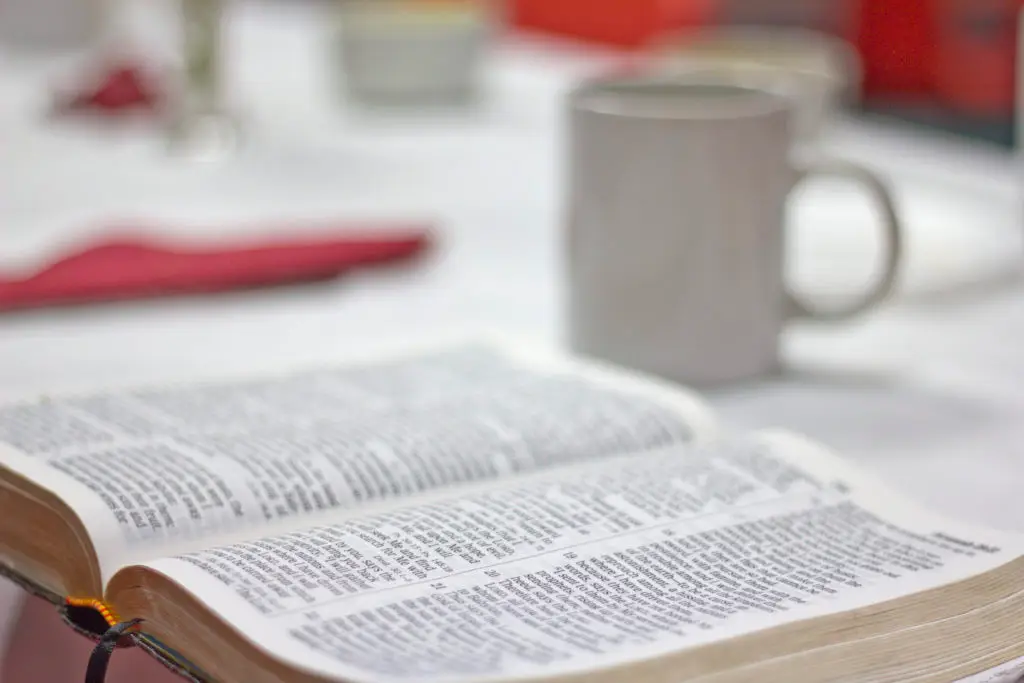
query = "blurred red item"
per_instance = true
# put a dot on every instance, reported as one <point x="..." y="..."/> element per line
<point x="961" y="52"/>
<point x="975" y="57"/>
<point x="135" y="268"/>
<point x="896" y="40"/>
<point x="619" y="23"/>
<point x="121" y="88"/>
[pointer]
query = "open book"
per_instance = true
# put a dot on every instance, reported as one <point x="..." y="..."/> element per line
<point x="482" y="513"/>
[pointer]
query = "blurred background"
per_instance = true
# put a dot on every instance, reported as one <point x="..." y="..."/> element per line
<point x="943" y="63"/>
<point x="947" y="64"/>
<point x="164" y="162"/>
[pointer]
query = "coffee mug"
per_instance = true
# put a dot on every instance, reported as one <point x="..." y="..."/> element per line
<point x="677" y="195"/>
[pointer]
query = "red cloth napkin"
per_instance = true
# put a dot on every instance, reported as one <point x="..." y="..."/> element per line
<point x="143" y="268"/>
<point x="119" y="89"/>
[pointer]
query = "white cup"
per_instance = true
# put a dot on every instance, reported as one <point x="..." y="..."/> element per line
<point x="821" y="73"/>
<point x="677" y="195"/>
<point x="394" y="52"/>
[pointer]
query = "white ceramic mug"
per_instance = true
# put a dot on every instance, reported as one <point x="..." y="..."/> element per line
<point x="677" y="194"/>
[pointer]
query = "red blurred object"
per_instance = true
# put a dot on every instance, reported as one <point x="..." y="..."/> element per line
<point x="961" y="53"/>
<point x="619" y="23"/>
<point x="122" y="88"/>
<point x="896" y="40"/>
<point x="141" y="268"/>
<point x="975" y="60"/>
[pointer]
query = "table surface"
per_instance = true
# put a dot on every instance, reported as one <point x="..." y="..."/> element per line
<point x="928" y="391"/>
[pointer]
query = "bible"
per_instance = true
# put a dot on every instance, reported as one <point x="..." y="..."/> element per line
<point x="482" y="511"/>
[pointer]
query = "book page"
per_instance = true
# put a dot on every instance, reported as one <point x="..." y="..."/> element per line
<point x="1011" y="672"/>
<point x="172" y="466"/>
<point x="613" y="563"/>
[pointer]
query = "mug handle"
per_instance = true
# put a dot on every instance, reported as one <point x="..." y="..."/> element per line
<point x="893" y="250"/>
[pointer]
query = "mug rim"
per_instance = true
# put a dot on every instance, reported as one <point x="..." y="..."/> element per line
<point x="756" y="102"/>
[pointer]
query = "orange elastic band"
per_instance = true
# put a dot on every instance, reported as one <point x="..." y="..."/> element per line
<point x="105" y="612"/>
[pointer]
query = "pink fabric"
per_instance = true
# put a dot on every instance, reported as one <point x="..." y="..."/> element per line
<point x="122" y="88"/>
<point x="141" y="268"/>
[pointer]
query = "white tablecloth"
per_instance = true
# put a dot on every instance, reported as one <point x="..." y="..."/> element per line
<point x="928" y="392"/>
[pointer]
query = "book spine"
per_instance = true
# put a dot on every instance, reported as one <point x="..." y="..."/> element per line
<point x="104" y="610"/>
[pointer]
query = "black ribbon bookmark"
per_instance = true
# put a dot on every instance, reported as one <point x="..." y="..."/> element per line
<point x="96" y="672"/>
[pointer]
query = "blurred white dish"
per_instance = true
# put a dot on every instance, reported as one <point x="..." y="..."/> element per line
<point x="820" y="72"/>
<point x="395" y="52"/>
<point x="51" y="24"/>
<point x="958" y="241"/>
